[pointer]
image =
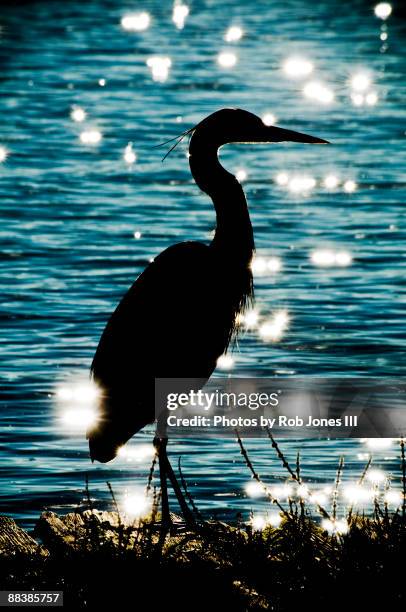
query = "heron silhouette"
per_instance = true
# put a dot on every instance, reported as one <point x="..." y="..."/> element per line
<point x="180" y="314"/>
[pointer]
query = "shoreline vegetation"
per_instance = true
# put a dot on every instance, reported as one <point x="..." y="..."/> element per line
<point x="99" y="558"/>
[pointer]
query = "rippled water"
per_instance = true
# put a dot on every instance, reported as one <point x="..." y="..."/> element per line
<point x="70" y="210"/>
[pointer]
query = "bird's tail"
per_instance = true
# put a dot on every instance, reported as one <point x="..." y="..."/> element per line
<point x="102" y="446"/>
<point x="114" y="428"/>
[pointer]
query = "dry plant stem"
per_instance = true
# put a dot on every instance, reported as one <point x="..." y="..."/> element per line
<point x="120" y="522"/>
<point x="295" y="475"/>
<point x="94" y="534"/>
<point x="298" y="465"/>
<point x="187" y="492"/>
<point x="282" y="458"/>
<point x="115" y="504"/>
<point x="156" y="504"/>
<point x="360" y="481"/>
<point x="274" y="444"/>
<point x="87" y="491"/>
<point x="257" y="477"/>
<point x="403" y="466"/>
<point x="151" y="474"/>
<point x="337" y="483"/>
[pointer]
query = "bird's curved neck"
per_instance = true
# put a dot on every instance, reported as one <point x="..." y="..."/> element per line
<point x="233" y="235"/>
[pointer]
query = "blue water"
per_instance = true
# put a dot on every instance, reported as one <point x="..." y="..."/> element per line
<point x="69" y="212"/>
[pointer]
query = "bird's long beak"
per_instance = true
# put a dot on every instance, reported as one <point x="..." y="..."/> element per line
<point x="276" y="134"/>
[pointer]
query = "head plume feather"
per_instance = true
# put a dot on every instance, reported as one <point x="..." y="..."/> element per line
<point x="178" y="139"/>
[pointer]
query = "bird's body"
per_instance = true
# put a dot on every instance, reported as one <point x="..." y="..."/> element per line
<point x="186" y="298"/>
<point x="180" y="314"/>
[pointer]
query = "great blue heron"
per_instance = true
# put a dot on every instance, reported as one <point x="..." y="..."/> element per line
<point x="180" y="314"/>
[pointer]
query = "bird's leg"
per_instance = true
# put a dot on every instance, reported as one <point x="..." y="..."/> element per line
<point x="166" y="471"/>
<point x="187" y="514"/>
<point x="160" y="445"/>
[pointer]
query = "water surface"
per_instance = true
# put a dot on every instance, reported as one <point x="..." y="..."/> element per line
<point x="70" y="210"/>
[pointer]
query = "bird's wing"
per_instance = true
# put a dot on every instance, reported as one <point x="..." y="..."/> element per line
<point x="170" y="324"/>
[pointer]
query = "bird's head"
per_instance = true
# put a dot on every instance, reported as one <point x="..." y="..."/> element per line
<point x="240" y="126"/>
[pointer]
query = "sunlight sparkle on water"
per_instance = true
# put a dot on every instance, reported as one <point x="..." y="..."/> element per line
<point x="258" y="265"/>
<point x="136" y="505"/>
<point x="303" y="491"/>
<point x="78" y="403"/>
<point x="227" y="59"/>
<point x="233" y="34"/>
<point x="3" y="154"/>
<point x="371" y="98"/>
<point x="383" y="10"/>
<point x="301" y="184"/>
<point x="283" y="491"/>
<point x="137" y="235"/>
<point x="136" y="22"/>
<point x="363" y="456"/>
<point x="269" y="119"/>
<point x="179" y="14"/>
<point x="360" y="81"/>
<point x="327" y="258"/>
<point x="78" y="114"/>
<point x="281" y="319"/>
<point x="129" y="154"/>
<point x="350" y="186"/>
<point x="319" y="498"/>
<point x="254" y="489"/>
<point x="282" y="178"/>
<point x="378" y="443"/>
<point x="274" y="519"/>
<point x="274" y="264"/>
<point x="159" y="67"/>
<point x="90" y="137"/>
<point x="383" y="36"/>
<point x="249" y="319"/>
<point x="375" y="476"/>
<point x="241" y="175"/>
<point x="343" y="258"/>
<point x="258" y="522"/>
<point x="335" y="526"/>
<point x="82" y="393"/>
<point x="323" y="257"/>
<point x="357" y="99"/>
<point x="297" y="67"/>
<point x="225" y="362"/>
<point x="102" y="82"/>
<point x="261" y="266"/>
<point x="393" y="497"/>
<point x="357" y="494"/>
<point x="80" y="419"/>
<point x="140" y="452"/>
<point x="331" y="181"/>
<point x="318" y="92"/>
<point x="273" y="329"/>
